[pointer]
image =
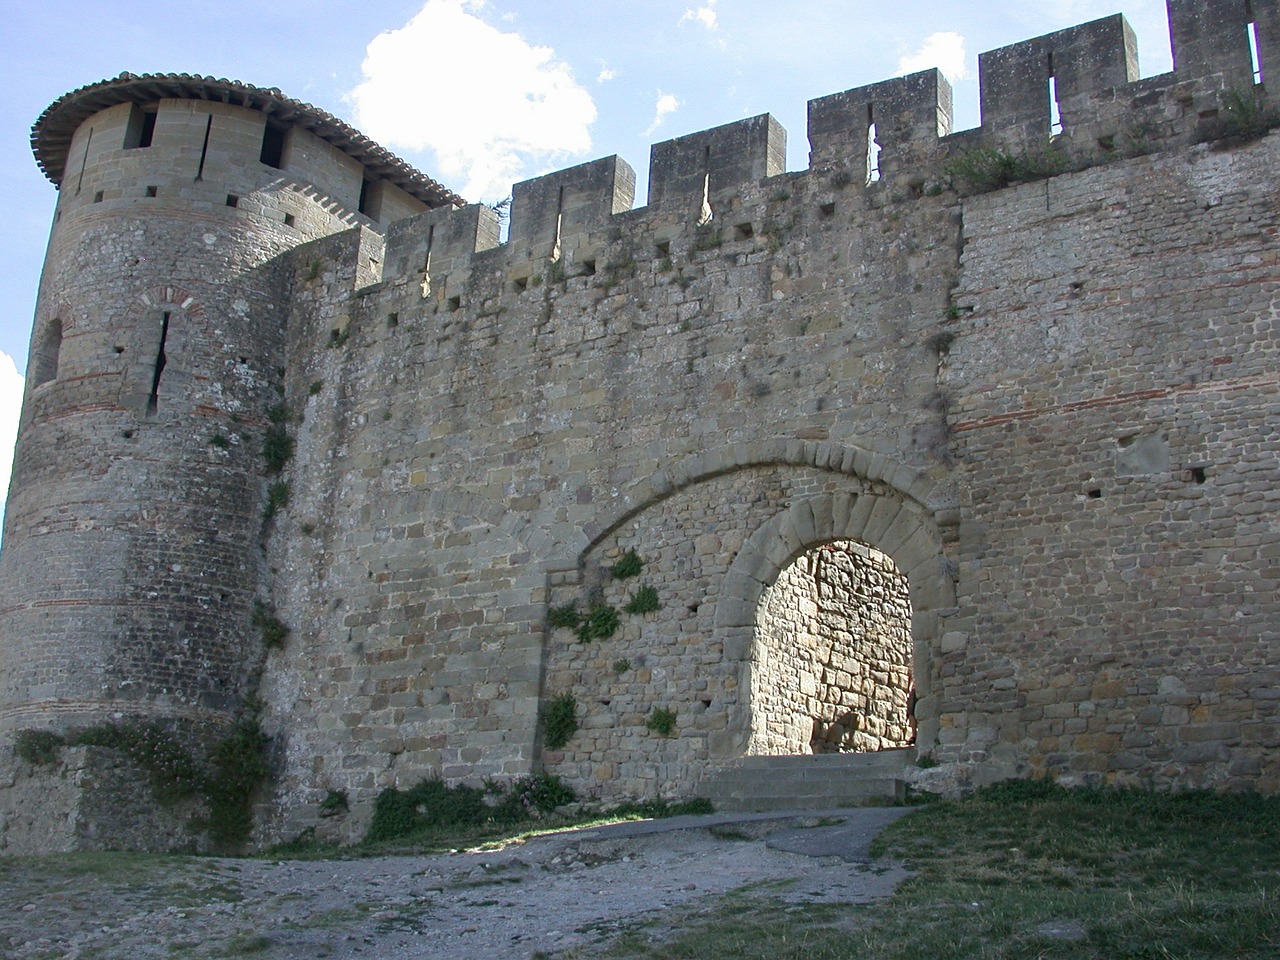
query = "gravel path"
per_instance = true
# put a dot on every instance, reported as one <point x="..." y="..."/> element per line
<point x="552" y="894"/>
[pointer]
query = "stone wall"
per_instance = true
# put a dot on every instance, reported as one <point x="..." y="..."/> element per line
<point x="1048" y="403"/>
<point x="831" y="671"/>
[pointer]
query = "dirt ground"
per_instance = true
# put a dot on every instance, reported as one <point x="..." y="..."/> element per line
<point x="554" y="895"/>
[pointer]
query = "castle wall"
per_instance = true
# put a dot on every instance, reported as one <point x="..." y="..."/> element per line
<point x="946" y="377"/>
<point x="1033" y="369"/>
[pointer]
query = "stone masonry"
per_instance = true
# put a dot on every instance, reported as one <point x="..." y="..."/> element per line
<point x="1028" y="378"/>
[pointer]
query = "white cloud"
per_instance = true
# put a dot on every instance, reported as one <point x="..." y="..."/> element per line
<point x="487" y="103"/>
<point x="11" y="383"/>
<point x="606" y="75"/>
<point x="667" y="104"/>
<point x="942" y="50"/>
<point x="705" y="15"/>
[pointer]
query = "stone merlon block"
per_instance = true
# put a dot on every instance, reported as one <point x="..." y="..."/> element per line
<point x="1014" y="80"/>
<point x="917" y="107"/>
<point x="447" y="234"/>
<point x="568" y="202"/>
<point x="723" y="159"/>
<point x="1211" y="38"/>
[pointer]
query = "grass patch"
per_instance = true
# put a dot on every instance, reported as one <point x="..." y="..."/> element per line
<point x="987" y="168"/>
<point x="1026" y="870"/>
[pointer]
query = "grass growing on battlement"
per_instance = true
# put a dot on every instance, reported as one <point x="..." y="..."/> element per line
<point x="1024" y="870"/>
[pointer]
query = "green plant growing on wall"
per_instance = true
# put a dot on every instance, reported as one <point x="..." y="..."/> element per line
<point x="315" y="387"/>
<point x="173" y="772"/>
<point x="239" y="767"/>
<point x="661" y="721"/>
<point x="335" y="802"/>
<point x="567" y="615"/>
<point x="277" y="498"/>
<point x="338" y="337"/>
<point x="644" y="601"/>
<point x="707" y="238"/>
<point x="629" y="566"/>
<point x="1245" y="115"/>
<point x="39" y="747"/>
<point x="600" y="622"/>
<point x="988" y="168"/>
<point x="274" y="632"/>
<point x="277" y="444"/>
<point x="220" y="441"/>
<point x="621" y="666"/>
<point x="560" y="722"/>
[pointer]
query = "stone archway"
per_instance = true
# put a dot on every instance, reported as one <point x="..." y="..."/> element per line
<point x="831" y="665"/>
<point x="901" y="529"/>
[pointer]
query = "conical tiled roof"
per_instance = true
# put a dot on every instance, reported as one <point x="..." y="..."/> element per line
<point x="51" y="134"/>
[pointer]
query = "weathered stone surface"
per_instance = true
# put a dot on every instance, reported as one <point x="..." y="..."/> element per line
<point x="1051" y="405"/>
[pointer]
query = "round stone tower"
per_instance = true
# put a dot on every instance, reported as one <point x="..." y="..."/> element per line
<point x="131" y="553"/>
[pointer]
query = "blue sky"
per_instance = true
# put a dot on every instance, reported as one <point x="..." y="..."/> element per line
<point x="480" y="93"/>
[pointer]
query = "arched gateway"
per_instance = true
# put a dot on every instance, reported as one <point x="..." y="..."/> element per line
<point x="713" y="536"/>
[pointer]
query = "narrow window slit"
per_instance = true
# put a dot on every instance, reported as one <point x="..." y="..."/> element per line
<point x="1055" y="111"/>
<point x="705" y="213"/>
<point x="84" y="160"/>
<point x="233" y="200"/>
<point x="161" y="361"/>
<point x="289" y="220"/>
<point x="1255" y="48"/>
<point x="151" y="191"/>
<point x="204" y="148"/>
<point x="272" y="153"/>
<point x="873" y="148"/>
<point x="141" y="128"/>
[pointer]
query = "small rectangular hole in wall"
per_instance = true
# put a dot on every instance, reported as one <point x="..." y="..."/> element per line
<point x="97" y="197"/>
<point x="1094" y="494"/>
<point x="393" y="320"/>
<point x="233" y="200"/>
<point x="454" y="303"/>
<point x="520" y="284"/>
<point x="827" y="209"/>
<point x="151" y="191"/>
<point x="664" y="248"/>
<point x="743" y="231"/>
<point x="588" y="268"/>
<point x="1198" y="474"/>
<point x="288" y="220"/>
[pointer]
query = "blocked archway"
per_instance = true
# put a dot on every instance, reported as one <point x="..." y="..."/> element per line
<point x="831" y="667"/>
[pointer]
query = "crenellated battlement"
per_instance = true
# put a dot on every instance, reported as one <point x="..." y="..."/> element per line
<point x="1105" y="113"/>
